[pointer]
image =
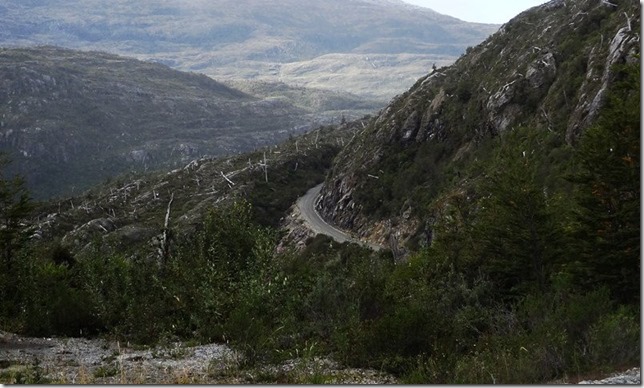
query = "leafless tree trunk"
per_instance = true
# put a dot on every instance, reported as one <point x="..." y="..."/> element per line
<point x="264" y="165"/>
<point x="165" y="250"/>
<point x="230" y="183"/>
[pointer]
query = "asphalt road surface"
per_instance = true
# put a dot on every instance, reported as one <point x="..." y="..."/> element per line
<point x="306" y="204"/>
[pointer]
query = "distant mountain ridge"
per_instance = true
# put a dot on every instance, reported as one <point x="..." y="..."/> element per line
<point x="371" y="48"/>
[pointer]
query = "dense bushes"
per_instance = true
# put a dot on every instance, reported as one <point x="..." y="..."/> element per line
<point x="424" y="320"/>
<point x="190" y="292"/>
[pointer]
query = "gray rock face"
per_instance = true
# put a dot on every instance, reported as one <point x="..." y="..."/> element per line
<point x="501" y="112"/>
<point x="589" y="103"/>
<point x="411" y="126"/>
<point x="340" y="202"/>
<point x="542" y="71"/>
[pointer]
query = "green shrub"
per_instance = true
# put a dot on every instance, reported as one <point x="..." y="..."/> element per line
<point x="548" y="336"/>
<point x="29" y="375"/>
<point x="107" y="281"/>
<point x="615" y="339"/>
<point x="51" y="303"/>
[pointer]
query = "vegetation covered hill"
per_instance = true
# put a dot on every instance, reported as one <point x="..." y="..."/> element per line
<point x="372" y="48"/>
<point x="71" y="119"/>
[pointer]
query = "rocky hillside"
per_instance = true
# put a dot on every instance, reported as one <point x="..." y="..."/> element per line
<point x="372" y="48"/>
<point x="549" y="68"/>
<point x="127" y="214"/>
<point x="71" y="119"/>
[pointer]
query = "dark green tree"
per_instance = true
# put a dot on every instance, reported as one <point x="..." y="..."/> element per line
<point x="15" y="205"/>
<point x="516" y="229"/>
<point x="606" y="226"/>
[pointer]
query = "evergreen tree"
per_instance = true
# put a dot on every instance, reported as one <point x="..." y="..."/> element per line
<point x="607" y="218"/>
<point x="516" y="230"/>
<point x="15" y="204"/>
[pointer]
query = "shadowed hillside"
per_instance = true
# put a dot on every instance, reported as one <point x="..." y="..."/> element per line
<point x="72" y="119"/>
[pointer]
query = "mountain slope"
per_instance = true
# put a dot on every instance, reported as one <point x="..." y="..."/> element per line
<point x="127" y="213"/>
<point x="287" y="41"/>
<point x="549" y="68"/>
<point x="71" y="119"/>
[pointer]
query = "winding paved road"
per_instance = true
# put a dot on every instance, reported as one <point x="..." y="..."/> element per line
<point x="314" y="221"/>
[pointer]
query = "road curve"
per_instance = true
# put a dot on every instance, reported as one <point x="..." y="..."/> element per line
<point x="314" y="221"/>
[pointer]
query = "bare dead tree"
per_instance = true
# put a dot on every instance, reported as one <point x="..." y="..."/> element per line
<point x="264" y="165"/>
<point x="230" y="183"/>
<point x="165" y="249"/>
<point x="393" y="241"/>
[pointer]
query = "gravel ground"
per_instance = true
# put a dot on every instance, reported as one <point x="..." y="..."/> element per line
<point x="631" y="376"/>
<point x="79" y="360"/>
<point x="97" y="361"/>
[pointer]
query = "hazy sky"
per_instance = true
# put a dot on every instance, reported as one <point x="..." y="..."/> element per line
<point x="483" y="11"/>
